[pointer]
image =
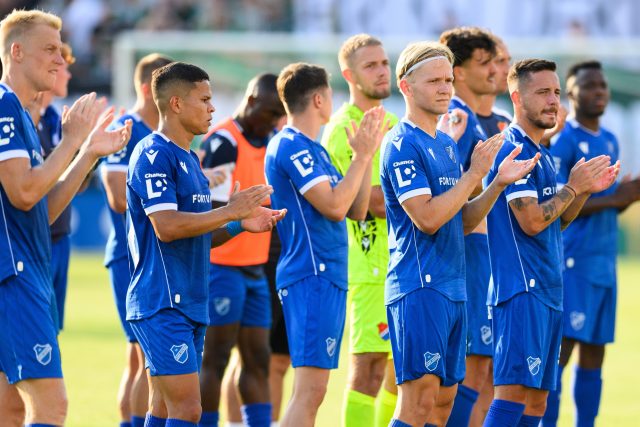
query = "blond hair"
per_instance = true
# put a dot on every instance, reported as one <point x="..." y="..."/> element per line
<point x="67" y="54"/>
<point x="351" y="46"/>
<point x="17" y="23"/>
<point x="146" y="66"/>
<point x="418" y="52"/>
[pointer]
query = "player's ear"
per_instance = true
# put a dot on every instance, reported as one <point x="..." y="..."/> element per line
<point x="515" y="97"/>
<point x="458" y="74"/>
<point x="405" y="87"/>
<point x="16" y="51"/>
<point x="175" y="103"/>
<point x="317" y="100"/>
<point x="146" y="90"/>
<point x="348" y="75"/>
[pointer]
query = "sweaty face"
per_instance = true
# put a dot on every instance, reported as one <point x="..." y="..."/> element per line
<point x="371" y="72"/>
<point x="502" y="62"/>
<point x="41" y="59"/>
<point x="431" y="87"/>
<point x="197" y="108"/>
<point x="480" y="72"/>
<point x="589" y="92"/>
<point x="264" y="115"/>
<point x="540" y="98"/>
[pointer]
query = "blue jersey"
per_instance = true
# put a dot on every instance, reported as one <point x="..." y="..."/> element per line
<point x="413" y="163"/>
<point x="117" y="241"/>
<point x="496" y="122"/>
<point x="163" y="176"/>
<point x="590" y="243"/>
<point x="519" y="262"/>
<point x="472" y="134"/>
<point x="24" y="235"/>
<point x="312" y="245"/>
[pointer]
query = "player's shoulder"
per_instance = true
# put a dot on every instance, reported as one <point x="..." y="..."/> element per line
<point x="286" y="140"/>
<point x="9" y="102"/>
<point x="502" y="115"/>
<point x="400" y="140"/>
<point x="153" y="149"/>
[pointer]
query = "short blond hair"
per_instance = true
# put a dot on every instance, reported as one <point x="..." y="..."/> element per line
<point x="417" y="52"/>
<point x="19" y="22"/>
<point x="351" y="46"/>
<point x="67" y="54"/>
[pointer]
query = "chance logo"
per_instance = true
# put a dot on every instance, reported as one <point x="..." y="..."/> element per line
<point x="180" y="353"/>
<point x="534" y="364"/>
<point x="43" y="353"/>
<point x="222" y="305"/>
<point x="431" y="361"/>
<point x="331" y="346"/>
<point x="577" y="320"/>
<point x="405" y="174"/>
<point x="304" y="164"/>
<point x="156" y="187"/>
<point x="485" y="334"/>
<point x="7" y="130"/>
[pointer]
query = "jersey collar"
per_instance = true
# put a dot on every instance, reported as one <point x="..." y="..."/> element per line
<point x="576" y="125"/>
<point x="523" y="134"/>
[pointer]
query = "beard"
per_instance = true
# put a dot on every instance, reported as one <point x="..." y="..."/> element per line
<point x="541" y="123"/>
<point x="377" y="93"/>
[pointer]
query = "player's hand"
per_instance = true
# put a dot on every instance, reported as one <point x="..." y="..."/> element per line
<point x="262" y="219"/>
<point x="511" y="170"/>
<point x="81" y="118"/>
<point x="584" y="174"/>
<point x="365" y="138"/>
<point x="561" y="119"/>
<point x="606" y="178"/>
<point x="243" y="203"/>
<point x="454" y="123"/>
<point x="628" y="191"/>
<point x="484" y="153"/>
<point x="103" y="142"/>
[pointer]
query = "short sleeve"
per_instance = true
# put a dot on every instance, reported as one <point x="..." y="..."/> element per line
<point x="12" y="143"/>
<point x="218" y="151"/>
<point x="118" y="161"/>
<point x="302" y="166"/>
<point x="406" y="169"/>
<point x="153" y="181"/>
<point x="563" y="152"/>
<point x="525" y="187"/>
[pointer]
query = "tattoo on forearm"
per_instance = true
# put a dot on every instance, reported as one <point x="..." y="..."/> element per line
<point x="549" y="208"/>
<point x="549" y="211"/>
<point x="565" y="195"/>
<point x="522" y="203"/>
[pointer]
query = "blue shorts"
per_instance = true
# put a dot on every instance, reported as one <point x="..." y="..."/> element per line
<point x="527" y="342"/>
<point x="478" y="268"/>
<point x="428" y="334"/>
<point x="314" y="312"/>
<point x="120" y="278"/>
<point x="60" y="253"/>
<point x="236" y="297"/>
<point x="589" y="310"/>
<point x="28" y="335"/>
<point x="172" y="343"/>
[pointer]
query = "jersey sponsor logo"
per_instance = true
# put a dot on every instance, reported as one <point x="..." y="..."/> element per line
<point x="151" y="155"/>
<point x="331" y="346"/>
<point x="183" y="165"/>
<point x="584" y="147"/>
<point x="37" y="156"/>
<point x="431" y="361"/>
<point x="486" y="335"/>
<point x="405" y="171"/>
<point x="43" y="353"/>
<point x="534" y="364"/>
<point x="448" y="180"/>
<point x="303" y="162"/>
<point x="180" y="353"/>
<point x="201" y="198"/>
<point x="156" y="187"/>
<point x="7" y="130"/>
<point x="383" y="331"/>
<point x="577" y="319"/>
<point x="451" y="153"/>
<point x="222" y="305"/>
<point x="548" y="191"/>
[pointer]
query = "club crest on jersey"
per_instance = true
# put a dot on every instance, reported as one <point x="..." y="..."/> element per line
<point x="431" y="361"/>
<point x="155" y="187"/>
<point x="451" y="153"/>
<point x="222" y="305"/>
<point x="7" y="130"/>
<point x="405" y="171"/>
<point x="383" y="331"/>
<point x="485" y="334"/>
<point x="534" y="364"/>
<point x="303" y="162"/>
<point x="577" y="319"/>
<point x="331" y="346"/>
<point x="180" y="353"/>
<point x="584" y="147"/>
<point x="43" y="353"/>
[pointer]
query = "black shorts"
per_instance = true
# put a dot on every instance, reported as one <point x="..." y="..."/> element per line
<point x="278" y="336"/>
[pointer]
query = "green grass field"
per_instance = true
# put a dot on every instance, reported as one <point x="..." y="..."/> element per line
<point x="93" y="353"/>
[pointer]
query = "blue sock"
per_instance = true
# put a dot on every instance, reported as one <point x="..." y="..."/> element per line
<point x="39" y="425"/>
<point x="550" y="418"/>
<point x="587" y="390"/>
<point x="151" y="421"/>
<point x="172" y="422"/>
<point x="137" y="421"/>
<point x="430" y="425"/>
<point x="125" y="424"/>
<point x="209" y="419"/>
<point x="397" y="423"/>
<point x="529" y="421"/>
<point x="257" y="414"/>
<point x="503" y="413"/>
<point x="462" y="406"/>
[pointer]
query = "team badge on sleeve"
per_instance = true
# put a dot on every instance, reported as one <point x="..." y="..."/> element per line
<point x="303" y="162"/>
<point x="405" y="171"/>
<point x="7" y="130"/>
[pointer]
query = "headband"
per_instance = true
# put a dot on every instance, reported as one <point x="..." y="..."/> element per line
<point x="420" y="64"/>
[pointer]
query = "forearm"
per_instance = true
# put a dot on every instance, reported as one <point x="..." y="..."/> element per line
<point x="360" y="205"/>
<point x="477" y="209"/>
<point x="376" y="202"/>
<point x="175" y="225"/>
<point x="598" y="204"/>
<point x="220" y="236"/>
<point x="572" y="211"/>
<point x="344" y="194"/>
<point x="534" y="217"/>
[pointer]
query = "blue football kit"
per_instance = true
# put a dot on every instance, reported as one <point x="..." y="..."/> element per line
<point x="168" y="289"/>
<point x="590" y="243"/>
<point x="311" y="276"/>
<point x="525" y="293"/>
<point x="496" y="122"/>
<point x="28" y="336"/>
<point x="425" y="286"/>
<point x="479" y="334"/>
<point x="115" y="258"/>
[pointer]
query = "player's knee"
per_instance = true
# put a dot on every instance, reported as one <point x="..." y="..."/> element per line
<point x="258" y="363"/>
<point x="367" y="384"/>
<point x="190" y="410"/>
<point x="53" y="409"/>
<point x="313" y="394"/>
<point x="536" y="407"/>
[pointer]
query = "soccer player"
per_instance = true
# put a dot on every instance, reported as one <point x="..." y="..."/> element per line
<point x="474" y="71"/>
<point x="169" y="234"/>
<point x="239" y="299"/>
<point x="133" y="391"/>
<point x="493" y="119"/>
<point x="428" y="210"/>
<point x="32" y="196"/>
<point x="590" y="244"/>
<point x="365" y="67"/>
<point x="311" y="275"/>
<point x="525" y="293"/>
